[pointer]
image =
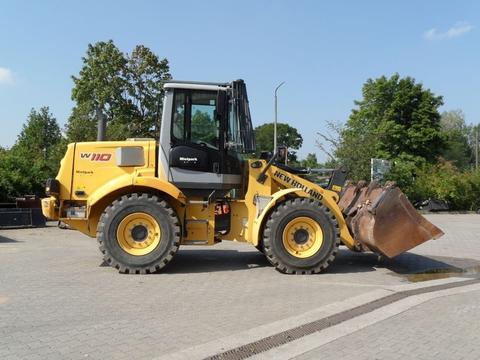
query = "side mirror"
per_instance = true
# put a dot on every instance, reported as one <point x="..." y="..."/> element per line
<point x="221" y="104"/>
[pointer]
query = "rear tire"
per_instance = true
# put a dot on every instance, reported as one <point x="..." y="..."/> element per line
<point x="138" y="234"/>
<point x="301" y="236"/>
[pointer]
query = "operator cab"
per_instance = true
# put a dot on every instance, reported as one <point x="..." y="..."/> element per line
<point x="205" y="128"/>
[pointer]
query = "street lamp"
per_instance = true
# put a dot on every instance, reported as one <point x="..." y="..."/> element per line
<point x="476" y="146"/>
<point x="275" y="121"/>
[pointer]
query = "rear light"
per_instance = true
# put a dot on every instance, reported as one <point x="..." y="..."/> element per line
<point x="75" y="212"/>
<point x="74" y="209"/>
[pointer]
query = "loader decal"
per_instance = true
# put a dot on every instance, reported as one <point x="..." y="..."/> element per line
<point x="284" y="178"/>
<point x="96" y="156"/>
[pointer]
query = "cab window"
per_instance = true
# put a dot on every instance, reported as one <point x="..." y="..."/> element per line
<point x="194" y="118"/>
<point x="178" y="123"/>
<point x="204" y="127"/>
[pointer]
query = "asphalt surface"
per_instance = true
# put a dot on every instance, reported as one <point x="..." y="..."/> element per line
<point x="58" y="300"/>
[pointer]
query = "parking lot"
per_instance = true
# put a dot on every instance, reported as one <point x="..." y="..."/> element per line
<point x="58" y="300"/>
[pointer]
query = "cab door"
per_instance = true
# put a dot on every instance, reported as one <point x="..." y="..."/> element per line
<point x="197" y="153"/>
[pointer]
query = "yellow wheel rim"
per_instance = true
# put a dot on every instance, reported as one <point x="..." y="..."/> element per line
<point x="138" y="234"/>
<point x="302" y="237"/>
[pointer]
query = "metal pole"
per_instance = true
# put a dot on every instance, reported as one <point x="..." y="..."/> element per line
<point x="476" y="147"/>
<point x="371" y="169"/>
<point x="275" y="121"/>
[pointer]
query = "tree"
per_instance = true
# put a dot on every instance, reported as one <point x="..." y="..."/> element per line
<point x="310" y="161"/>
<point x="329" y="142"/>
<point x="396" y="119"/>
<point x="101" y="81"/>
<point x="40" y="137"/>
<point x="81" y="125"/>
<point x="457" y="149"/>
<point x="127" y="89"/>
<point x="34" y="157"/>
<point x="286" y="136"/>
<point x="9" y="179"/>
<point x="146" y="74"/>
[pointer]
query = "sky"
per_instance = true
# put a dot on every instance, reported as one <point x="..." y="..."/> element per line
<point x="323" y="50"/>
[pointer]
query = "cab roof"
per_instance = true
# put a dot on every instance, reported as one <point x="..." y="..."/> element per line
<point x="196" y="85"/>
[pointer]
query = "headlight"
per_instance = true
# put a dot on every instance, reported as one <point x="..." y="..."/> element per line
<point x="52" y="187"/>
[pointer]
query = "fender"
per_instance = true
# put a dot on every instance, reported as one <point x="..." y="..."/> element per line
<point x="128" y="180"/>
<point x="345" y="235"/>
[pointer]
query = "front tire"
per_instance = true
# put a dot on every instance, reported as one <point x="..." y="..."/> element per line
<point x="138" y="234"/>
<point x="301" y="236"/>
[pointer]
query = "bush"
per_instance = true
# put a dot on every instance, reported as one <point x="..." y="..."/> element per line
<point x="444" y="181"/>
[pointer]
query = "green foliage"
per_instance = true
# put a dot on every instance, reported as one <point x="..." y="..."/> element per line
<point x="457" y="149"/>
<point x="286" y="135"/>
<point x="146" y="74"/>
<point x="310" y="161"/>
<point x="127" y="88"/>
<point x="81" y="125"/>
<point x="443" y="181"/>
<point x="474" y="140"/>
<point x="34" y="157"/>
<point x="39" y="135"/>
<point x="404" y="172"/>
<point x="204" y="128"/>
<point x="13" y="181"/>
<point x="451" y="178"/>
<point x="102" y="79"/>
<point x="396" y="118"/>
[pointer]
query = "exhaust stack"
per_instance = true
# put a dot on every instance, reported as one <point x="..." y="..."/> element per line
<point x="101" y="124"/>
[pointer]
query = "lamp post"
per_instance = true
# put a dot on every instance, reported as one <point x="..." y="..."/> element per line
<point x="275" y="121"/>
<point x="476" y="147"/>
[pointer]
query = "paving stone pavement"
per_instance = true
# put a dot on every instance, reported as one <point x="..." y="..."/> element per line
<point x="442" y="329"/>
<point x="57" y="299"/>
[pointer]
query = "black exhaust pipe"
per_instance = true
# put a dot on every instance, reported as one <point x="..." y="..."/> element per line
<point x="101" y="124"/>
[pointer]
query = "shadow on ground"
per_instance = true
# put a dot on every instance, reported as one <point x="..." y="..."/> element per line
<point x="189" y="260"/>
<point x="206" y="260"/>
<point x="406" y="265"/>
<point x="198" y="261"/>
<point x="409" y="263"/>
<point x="4" y="240"/>
<point x="214" y="260"/>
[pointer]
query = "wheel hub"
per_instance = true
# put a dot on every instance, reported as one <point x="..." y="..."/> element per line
<point x="138" y="234"/>
<point x="302" y="237"/>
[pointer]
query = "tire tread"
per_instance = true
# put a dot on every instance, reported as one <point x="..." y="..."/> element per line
<point x="277" y="214"/>
<point x="163" y="260"/>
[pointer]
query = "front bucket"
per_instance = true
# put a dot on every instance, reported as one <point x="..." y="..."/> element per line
<point x="383" y="220"/>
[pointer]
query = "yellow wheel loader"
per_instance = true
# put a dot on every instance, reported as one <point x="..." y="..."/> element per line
<point x="143" y="199"/>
